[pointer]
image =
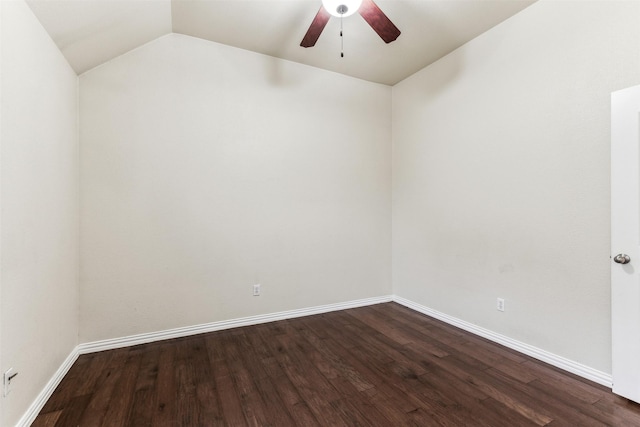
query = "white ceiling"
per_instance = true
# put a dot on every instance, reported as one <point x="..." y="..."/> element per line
<point x="90" y="32"/>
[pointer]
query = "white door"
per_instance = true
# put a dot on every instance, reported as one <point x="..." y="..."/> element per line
<point x="625" y="241"/>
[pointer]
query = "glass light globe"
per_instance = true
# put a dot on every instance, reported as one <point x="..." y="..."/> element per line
<point x="335" y="6"/>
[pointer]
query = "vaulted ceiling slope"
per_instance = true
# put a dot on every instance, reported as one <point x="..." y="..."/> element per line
<point x="91" y="32"/>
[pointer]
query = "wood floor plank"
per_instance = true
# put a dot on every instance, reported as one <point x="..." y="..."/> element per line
<point x="338" y="359"/>
<point x="142" y="408"/>
<point x="621" y="411"/>
<point x="230" y="401"/>
<point x="505" y="395"/>
<point x="210" y="408"/>
<point x="382" y="365"/>
<point x="501" y="415"/>
<point x="379" y="346"/>
<point x="252" y="351"/>
<point x="106" y="382"/>
<point x="121" y="399"/>
<point x="286" y="391"/>
<point x="141" y="413"/>
<point x="206" y="396"/>
<point x="360" y="412"/>
<point x="369" y="318"/>
<point x="398" y="366"/>
<point x="226" y="391"/>
<point x="544" y="403"/>
<point x="72" y="413"/>
<point x="353" y="334"/>
<point x="48" y="419"/>
<point x="87" y="382"/>
<point x="186" y="381"/>
<point x="380" y="343"/>
<point x="435" y="329"/>
<point x="560" y="395"/>
<point x="574" y="386"/>
<point x="261" y="404"/>
<point x="164" y="404"/>
<point x="314" y="389"/>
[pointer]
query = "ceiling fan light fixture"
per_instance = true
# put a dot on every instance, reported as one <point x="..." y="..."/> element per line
<point x="341" y="8"/>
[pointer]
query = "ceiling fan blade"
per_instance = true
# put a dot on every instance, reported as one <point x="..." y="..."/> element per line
<point x="316" y="27"/>
<point x="379" y="21"/>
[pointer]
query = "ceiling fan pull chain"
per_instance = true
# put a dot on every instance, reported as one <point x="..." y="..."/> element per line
<point x="341" y="40"/>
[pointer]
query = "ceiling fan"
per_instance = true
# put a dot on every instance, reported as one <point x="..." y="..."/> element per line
<point x="343" y="8"/>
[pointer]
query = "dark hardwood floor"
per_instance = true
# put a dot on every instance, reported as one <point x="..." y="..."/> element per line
<point x="383" y="365"/>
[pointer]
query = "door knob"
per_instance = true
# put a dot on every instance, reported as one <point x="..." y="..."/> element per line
<point x="622" y="259"/>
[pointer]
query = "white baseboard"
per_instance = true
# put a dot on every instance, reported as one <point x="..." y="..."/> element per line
<point x="29" y="417"/>
<point x="111" y="344"/>
<point x="537" y="353"/>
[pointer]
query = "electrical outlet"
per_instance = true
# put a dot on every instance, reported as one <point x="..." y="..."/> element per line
<point x="7" y="379"/>
<point x="256" y="290"/>
<point x="500" y="304"/>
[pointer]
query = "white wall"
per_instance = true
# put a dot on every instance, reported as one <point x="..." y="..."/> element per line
<point x="39" y="231"/>
<point x="501" y="176"/>
<point x="206" y="169"/>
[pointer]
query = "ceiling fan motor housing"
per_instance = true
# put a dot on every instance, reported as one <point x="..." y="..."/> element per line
<point x="341" y="8"/>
